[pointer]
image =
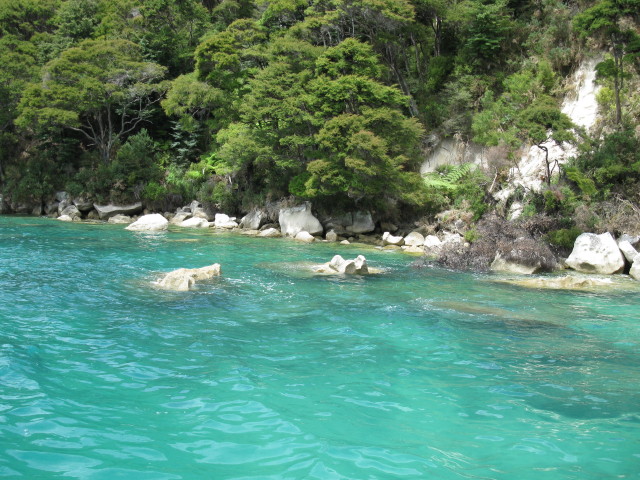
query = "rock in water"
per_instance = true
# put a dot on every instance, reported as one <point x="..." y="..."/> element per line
<point x="596" y="254"/>
<point x="253" y="220"/>
<point x="296" y="219"/>
<point x="305" y="237"/>
<point x="627" y="250"/>
<point x="338" y="264"/>
<point x="635" y="268"/>
<point x="184" y="279"/>
<point x="388" y="239"/>
<point x="194" y="222"/>
<point x="120" y="219"/>
<point x="149" y="223"/>
<point x="414" y="239"/>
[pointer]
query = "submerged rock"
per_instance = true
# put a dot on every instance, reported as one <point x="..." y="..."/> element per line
<point x="184" y="279"/>
<point x="566" y="282"/>
<point x="388" y="239"/>
<point x="596" y="254"/>
<point x="149" y="223"/>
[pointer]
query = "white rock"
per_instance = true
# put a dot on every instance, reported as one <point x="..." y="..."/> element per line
<point x="194" y="222"/>
<point x="184" y="279"/>
<point x="414" y="239"/>
<point x="65" y="218"/>
<point x="596" y="254"/>
<point x="107" y="211"/>
<point x="253" y="220"/>
<point x="269" y="233"/>
<point x="296" y="219"/>
<point x="331" y="236"/>
<point x="179" y="217"/>
<point x="149" y="223"/>
<point x="452" y="238"/>
<point x="120" y="219"/>
<point x="345" y="242"/>
<point x="499" y="264"/>
<point x="635" y="268"/>
<point x="361" y="265"/>
<point x="361" y="223"/>
<point x="305" y="237"/>
<point x="431" y="241"/>
<point x="627" y="250"/>
<point x="388" y="239"/>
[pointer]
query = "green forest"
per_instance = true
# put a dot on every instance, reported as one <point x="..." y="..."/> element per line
<point x="237" y="103"/>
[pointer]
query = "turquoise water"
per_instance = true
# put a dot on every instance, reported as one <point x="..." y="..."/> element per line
<point x="269" y="373"/>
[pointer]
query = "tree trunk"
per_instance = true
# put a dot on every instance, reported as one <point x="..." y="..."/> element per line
<point x="546" y="162"/>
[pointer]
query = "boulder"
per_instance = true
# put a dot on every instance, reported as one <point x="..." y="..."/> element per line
<point x="345" y="242"/>
<point x="184" y="279"/>
<point x="523" y="256"/>
<point x="253" y="220"/>
<point x="296" y="219"/>
<point x="388" y="239"/>
<point x="331" y="236"/>
<point x="224" y="221"/>
<point x="269" y="233"/>
<point x="305" y="237"/>
<point x="201" y="213"/>
<point x="51" y="209"/>
<point x="37" y="211"/>
<point x="414" y="239"/>
<point x="83" y="204"/>
<point x="627" y="250"/>
<point x="432" y="245"/>
<point x="62" y="205"/>
<point x="596" y="254"/>
<point x="72" y="211"/>
<point x="180" y="217"/>
<point x="193" y="206"/>
<point x="149" y="223"/>
<point x="194" y="222"/>
<point x="93" y="215"/>
<point x="357" y="266"/>
<point x="635" y="268"/>
<point x="361" y="223"/>
<point x="65" y="218"/>
<point x="107" y="211"/>
<point x="634" y="241"/>
<point x="120" y="219"/>
<point x="502" y="265"/>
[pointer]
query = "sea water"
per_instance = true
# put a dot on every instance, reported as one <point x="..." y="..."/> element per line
<point x="269" y="372"/>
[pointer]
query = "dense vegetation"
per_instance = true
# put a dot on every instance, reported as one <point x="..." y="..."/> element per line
<point x="241" y="102"/>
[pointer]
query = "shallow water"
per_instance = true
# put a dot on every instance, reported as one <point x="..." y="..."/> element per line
<point x="271" y="373"/>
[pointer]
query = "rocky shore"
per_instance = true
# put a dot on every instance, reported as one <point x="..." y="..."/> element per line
<point x="493" y="244"/>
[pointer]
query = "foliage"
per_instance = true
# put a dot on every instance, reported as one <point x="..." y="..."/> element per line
<point x="565" y="237"/>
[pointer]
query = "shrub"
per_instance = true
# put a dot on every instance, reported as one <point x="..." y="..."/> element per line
<point x="565" y="237"/>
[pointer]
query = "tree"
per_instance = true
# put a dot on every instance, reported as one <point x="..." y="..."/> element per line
<point x="100" y="89"/>
<point x="605" y="21"/>
<point x="524" y="113"/>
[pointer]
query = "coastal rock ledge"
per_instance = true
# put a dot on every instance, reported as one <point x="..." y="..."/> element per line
<point x="184" y="279"/>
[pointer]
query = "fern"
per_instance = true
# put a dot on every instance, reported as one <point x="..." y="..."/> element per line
<point x="449" y="181"/>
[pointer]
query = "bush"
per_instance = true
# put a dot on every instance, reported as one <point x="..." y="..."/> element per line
<point x="565" y="237"/>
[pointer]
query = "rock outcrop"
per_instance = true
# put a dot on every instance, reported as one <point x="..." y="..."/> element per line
<point x="339" y="265"/>
<point x="184" y="279"/>
<point x="107" y="211"/>
<point x="596" y="254"/>
<point x="388" y="239"/>
<point x="294" y="220"/>
<point x="149" y="223"/>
